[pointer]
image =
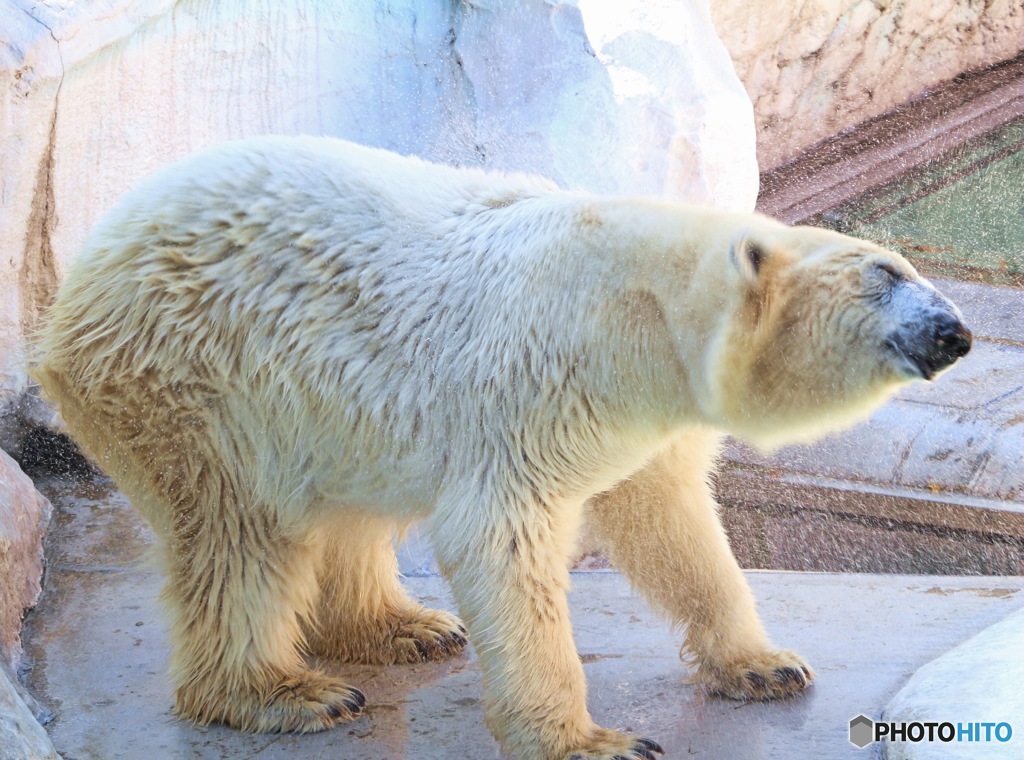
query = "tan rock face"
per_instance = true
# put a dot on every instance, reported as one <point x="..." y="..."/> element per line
<point x="815" y="68"/>
<point x="24" y="515"/>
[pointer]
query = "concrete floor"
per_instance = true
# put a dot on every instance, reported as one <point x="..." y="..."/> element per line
<point x="99" y="649"/>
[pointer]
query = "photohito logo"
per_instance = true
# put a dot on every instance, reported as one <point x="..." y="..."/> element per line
<point x="865" y="731"/>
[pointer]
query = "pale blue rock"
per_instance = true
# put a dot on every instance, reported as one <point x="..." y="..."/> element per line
<point x="977" y="682"/>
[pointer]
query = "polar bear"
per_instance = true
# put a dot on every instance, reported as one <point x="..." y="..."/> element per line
<point x="285" y="349"/>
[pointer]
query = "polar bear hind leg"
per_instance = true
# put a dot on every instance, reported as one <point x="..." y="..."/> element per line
<point x="239" y="585"/>
<point x="238" y="581"/>
<point x="364" y="614"/>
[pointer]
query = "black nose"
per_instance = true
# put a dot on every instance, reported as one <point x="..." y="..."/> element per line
<point x="951" y="341"/>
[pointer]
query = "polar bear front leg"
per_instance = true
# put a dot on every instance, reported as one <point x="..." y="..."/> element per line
<point x="507" y="564"/>
<point x="662" y="530"/>
<point x="364" y="614"/>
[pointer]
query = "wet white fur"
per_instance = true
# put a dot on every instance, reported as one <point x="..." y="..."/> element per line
<point x="285" y="349"/>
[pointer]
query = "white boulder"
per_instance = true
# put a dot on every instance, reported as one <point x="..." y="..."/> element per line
<point x="978" y="681"/>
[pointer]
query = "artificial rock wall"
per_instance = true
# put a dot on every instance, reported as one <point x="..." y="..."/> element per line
<point x="817" y="67"/>
<point x="94" y="95"/>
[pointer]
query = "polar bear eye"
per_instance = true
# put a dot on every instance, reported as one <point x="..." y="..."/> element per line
<point x="890" y="270"/>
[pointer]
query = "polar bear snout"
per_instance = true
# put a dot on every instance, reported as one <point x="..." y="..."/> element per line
<point x="949" y="341"/>
<point x="934" y="345"/>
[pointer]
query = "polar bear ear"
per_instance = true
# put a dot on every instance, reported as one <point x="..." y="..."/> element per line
<point x="748" y="257"/>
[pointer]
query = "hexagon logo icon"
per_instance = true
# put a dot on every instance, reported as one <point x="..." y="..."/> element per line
<point x="862" y="731"/>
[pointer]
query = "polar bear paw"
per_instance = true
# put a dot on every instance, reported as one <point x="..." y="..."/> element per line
<point x="614" y="745"/>
<point x="304" y="702"/>
<point x="767" y="675"/>
<point x="310" y="702"/>
<point x="411" y="634"/>
<point x="429" y="635"/>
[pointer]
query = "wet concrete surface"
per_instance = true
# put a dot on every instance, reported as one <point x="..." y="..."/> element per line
<point x="98" y="644"/>
<point x="823" y="540"/>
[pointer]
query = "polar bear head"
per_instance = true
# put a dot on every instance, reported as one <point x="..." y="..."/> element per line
<point x="823" y="328"/>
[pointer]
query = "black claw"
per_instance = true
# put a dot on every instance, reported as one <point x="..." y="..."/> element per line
<point x="789" y="675"/>
<point x="463" y="631"/>
<point x="643" y="753"/>
<point x="422" y="649"/>
<point x="651" y="745"/>
<point x="334" y="711"/>
<point x="358" y="697"/>
<point x="620" y="757"/>
<point x="806" y="672"/>
<point x="577" y="756"/>
<point x="757" y="679"/>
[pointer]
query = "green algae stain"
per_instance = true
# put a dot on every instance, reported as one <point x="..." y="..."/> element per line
<point x="960" y="215"/>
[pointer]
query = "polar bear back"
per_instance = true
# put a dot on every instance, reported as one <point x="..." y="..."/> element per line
<point x="363" y="317"/>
